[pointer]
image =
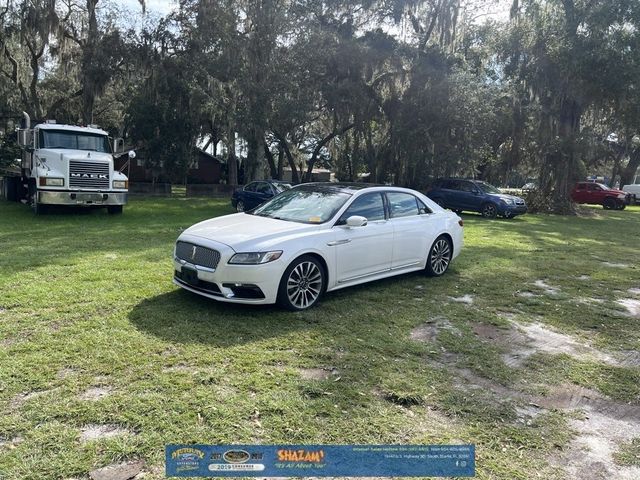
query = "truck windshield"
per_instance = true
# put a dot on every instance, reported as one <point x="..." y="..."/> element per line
<point x="74" y="140"/>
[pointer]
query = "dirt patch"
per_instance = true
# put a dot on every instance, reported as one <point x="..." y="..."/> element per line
<point x="118" y="471"/>
<point x="466" y="299"/>
<point x="507" y="315"/>
<point x="527" y="294"/>
<point x="95" y="393"/>
<point x="318" y="373"/>
<point x="24" y="397"/>
<point x="615" y="265"/>
<point x="632" y="305"/>
<point x="634" y="291"/>
<point x="97" y="432"/>
<point x="548" y="289"/>
<point x="65" y="373"/>
<point x="10" y="443"/>
<point x="428" y="331"/>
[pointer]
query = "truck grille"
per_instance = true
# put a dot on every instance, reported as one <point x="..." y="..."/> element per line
<point x="197" y="255"/>
<point x="84" y="174"/>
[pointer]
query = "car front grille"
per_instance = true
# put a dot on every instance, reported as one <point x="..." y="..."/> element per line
<point x="198" y="255"/>
<point x="92" y="175"/>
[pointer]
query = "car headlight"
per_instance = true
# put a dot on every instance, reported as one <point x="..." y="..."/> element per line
<point x="622" y="196"/>
<point x="255" y="258"/>
<point x="508" y="201"/>
<point x="120" y="184"/>
<point x="51" y="182"/>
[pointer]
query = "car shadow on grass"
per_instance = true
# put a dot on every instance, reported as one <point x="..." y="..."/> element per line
<point x="184" y="317"/>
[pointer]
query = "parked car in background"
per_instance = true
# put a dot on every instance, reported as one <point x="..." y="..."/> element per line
<point x="634" y="191"/>
<point x="255" y="193"/>
<point x="529" y="187"/>
<point x="593" y="193"/>
<point x="316" y="238"/>
<point x="461" y="194"/>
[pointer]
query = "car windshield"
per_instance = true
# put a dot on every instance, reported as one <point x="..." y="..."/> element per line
<point x="281" y="187"/>
<point x="603" y="186"/>
<point x="304" y="205"/>
<point x="487" y="188"/>
<point x="74" y="140"/>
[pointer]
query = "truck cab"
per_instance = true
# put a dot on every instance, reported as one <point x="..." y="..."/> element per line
<point x="70" y="165"/>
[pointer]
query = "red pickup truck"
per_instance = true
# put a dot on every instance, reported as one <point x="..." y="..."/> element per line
<point x="599" y="194"/>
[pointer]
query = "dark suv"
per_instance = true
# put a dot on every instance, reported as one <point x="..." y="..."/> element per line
<point x="460" y="194"/>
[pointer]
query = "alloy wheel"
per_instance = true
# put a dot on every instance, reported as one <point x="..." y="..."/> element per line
<point x="304" y="284"/>
<point x="240" y="206"/>
<point x="489" y="210"/>
<point x="440" y="256"/>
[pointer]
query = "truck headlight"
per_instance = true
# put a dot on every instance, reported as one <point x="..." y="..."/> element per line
<point x="51" y="182"/>
<point x="120" y="184"/>
<point x="255" y="258"/>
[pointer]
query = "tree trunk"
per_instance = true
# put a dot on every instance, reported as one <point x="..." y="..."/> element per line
<point x="320" y="145"/>
<point x="295" y="178"/>
<point x="232" y="163"/>
<point x="270" y="160"/>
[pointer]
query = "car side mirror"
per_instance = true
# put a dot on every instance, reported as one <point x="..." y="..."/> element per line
<point x="132" y="154"/>
<point x="356" y="221"/>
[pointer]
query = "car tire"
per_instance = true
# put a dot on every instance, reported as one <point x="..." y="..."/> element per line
<point x="439" y="258"/>
<point x="302" y="284"/>
<point x="609" y="203"/>
<point x="489" y="210"/>
<point x="114" y="209"/>
<point x="240" y="206"/>
<point x="508" y="215"/>
<point x="620" y="206"/>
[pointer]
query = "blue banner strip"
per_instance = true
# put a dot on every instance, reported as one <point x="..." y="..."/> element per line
<point x="320" y="460"/>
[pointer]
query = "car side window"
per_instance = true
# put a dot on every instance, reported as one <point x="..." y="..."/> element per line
<point x="591" y="187"/>
<point x="263" y="187"/>
<point x="454" y="185"/>
<point x="251" y="187"/>
<point x="402" y="204"/>
<point x="467" y="187"/>
<point x="369" y="206"/>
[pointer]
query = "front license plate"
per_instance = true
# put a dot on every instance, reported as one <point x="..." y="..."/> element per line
<point x="190" y="276"/>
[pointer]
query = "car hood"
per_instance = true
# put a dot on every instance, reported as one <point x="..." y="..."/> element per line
<point x="243" y="231"/>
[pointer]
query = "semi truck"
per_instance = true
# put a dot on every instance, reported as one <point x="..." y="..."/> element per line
<point x="66" y="165"/>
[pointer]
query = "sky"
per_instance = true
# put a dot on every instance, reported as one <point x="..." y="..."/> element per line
<point x="161" y="7"/>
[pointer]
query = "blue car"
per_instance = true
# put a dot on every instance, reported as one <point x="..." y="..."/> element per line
<point x="255" y="193"/>
<point x="461" y="194"/>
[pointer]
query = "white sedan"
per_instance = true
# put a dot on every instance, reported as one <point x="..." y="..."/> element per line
<point x="315" y="238"/>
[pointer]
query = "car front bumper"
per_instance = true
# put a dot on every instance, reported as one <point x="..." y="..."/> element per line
<point x="82" y="198"/>
<point x="248" y="284"/>
<point x="512" y="210"/>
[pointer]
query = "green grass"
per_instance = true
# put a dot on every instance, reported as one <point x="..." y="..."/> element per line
<point x="87" y="301"/>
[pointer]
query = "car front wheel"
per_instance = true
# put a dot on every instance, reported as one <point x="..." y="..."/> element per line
<point x="609" y="203"/>
<point x="439" y="257"/>
<point x="489" y="210"/>
<point x="240" y="206"/>
<point x="302" y="284"/>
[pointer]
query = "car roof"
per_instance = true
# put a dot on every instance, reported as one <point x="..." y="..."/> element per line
<point x="344" y="187"/>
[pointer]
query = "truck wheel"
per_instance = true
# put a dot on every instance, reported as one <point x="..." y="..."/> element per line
<point x="38" y="208"/>
<point x="609" y="203"/>
<point x="114" y="209"/>
<point x="620" y="206"/>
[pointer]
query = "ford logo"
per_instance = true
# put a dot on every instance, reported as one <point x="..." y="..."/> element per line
<point x="236" y="456"/>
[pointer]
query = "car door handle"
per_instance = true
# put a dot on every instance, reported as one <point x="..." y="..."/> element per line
<point x="338" y="242"/>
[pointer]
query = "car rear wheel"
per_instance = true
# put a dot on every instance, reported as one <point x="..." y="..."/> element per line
<point x="439" y="257"/>
<point x="489" y="210"/>
<point x="302" y="284"/>
<point x="609" y="204"/>
<point x="240" y="206"/>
